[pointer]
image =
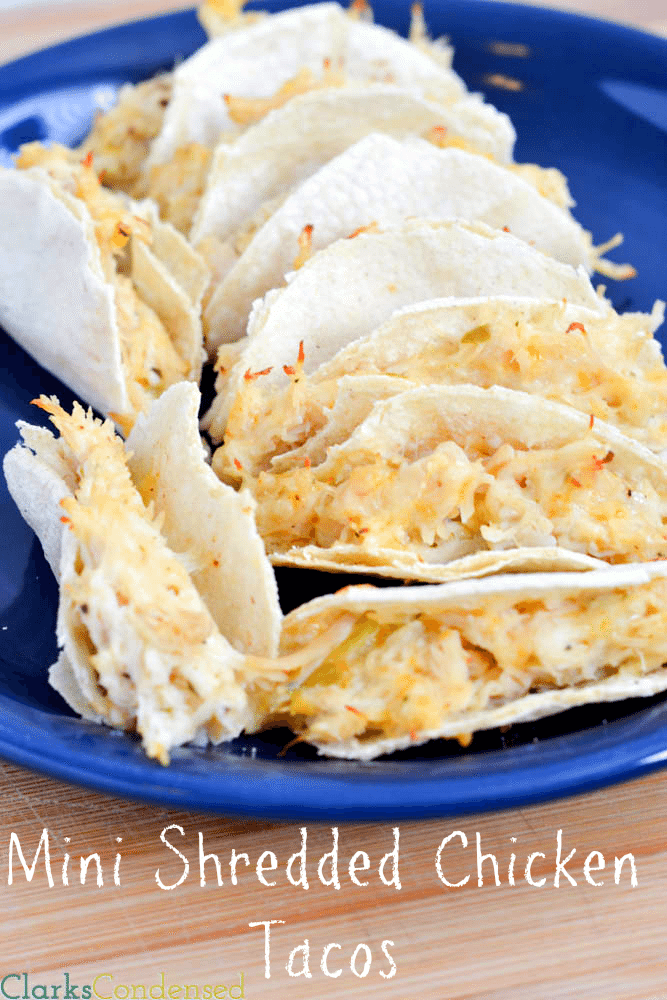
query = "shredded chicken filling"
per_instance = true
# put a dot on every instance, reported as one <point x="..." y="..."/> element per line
<point x="178" y="184"/>
<point x="451" y="502"/>
<point x="156" y="659"/>
<point x="401" y="674"/>
<point x="613" y="369"/>
<point x="121" y="137"/>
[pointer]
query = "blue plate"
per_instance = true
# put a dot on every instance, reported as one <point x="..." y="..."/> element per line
<point x="590" y="99"/>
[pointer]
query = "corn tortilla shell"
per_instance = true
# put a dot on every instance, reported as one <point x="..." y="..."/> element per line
<point x="379" y="561"/>
<point x="39" y="475"/>
<point x="138" y="643"/>
<point x="208" y="520"/>
<point x="70" y="325"/>
<point x="381" y="180"/>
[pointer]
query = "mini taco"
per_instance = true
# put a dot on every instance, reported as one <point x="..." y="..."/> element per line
<point x="117" y="317"/>
<point x="598" y="361"/>
<point x="383" y="181"/>
<point x="349" y="289"/>
<point x="211" y="524"/>
<point x="438" y="473"/>
<point x="447" y="661"/>
<point x="147" y="642"/>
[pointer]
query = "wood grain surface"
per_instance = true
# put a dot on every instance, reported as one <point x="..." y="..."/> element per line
<point x="469" y="943"/>
<point x="520" y="942"/>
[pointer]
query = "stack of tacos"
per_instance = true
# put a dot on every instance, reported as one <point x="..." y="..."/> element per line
<point x="415" y="379"/>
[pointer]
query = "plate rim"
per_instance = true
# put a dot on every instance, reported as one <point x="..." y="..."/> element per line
<point x="288" y="796"/>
